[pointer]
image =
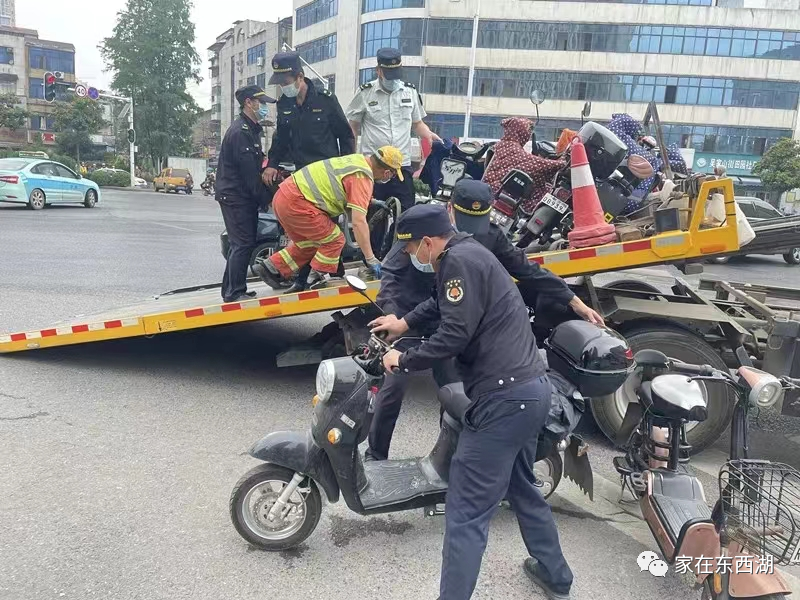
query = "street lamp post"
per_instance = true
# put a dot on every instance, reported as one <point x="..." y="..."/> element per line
<point x="131" y="140"/>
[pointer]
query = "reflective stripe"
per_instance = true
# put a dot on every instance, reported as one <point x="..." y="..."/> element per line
<point x="332" y="235"/>
<point x="307" y="244"/>
<point x="317" y="199"/>
<point x="287" y="258"/>
<point x="326" y="260"/>
<point x="321" y="182"/>
<point x="582" y="177"/>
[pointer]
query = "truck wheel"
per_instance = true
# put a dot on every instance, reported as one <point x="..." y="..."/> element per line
<point x="792" y="257"/>
<point x="685" y="346"/>
<point x="253" y="496"/>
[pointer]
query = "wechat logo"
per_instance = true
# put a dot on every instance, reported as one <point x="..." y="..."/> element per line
<point x="649" y="561"/>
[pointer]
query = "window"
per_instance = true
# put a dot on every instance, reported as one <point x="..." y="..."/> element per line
<point x="261" y="80"/>
<point x="316" y="11"/>
<point x="331" y="79"/>
<point x="251" y="80"/>
<point x="403" y="34"/>
<point x="47" y="169"/>
<point x="36" y="88"/>
<point x="63" y="171"/>
<point x="652" y="39"/>
<point x="319" y="49"/>
<point x="747" y="209"/>
<point x="410" y="74"/>
<point x="51" y="60"/>
<point x="6" y="56"/>
<point x="374" y="5"/>
<point x="256" y="52"/>
<point x="764" y="211"/>
<point x="41" y="123"/>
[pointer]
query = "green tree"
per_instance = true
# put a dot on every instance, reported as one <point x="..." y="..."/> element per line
<point x="12" y="116"/>
<point x="75" y="121"/>
<point x="152" y="57"/>
<point x="779" y="168"/>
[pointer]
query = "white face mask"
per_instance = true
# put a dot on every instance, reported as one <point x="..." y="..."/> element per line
<point x="290" y="91"/>
<point x="390" y="86"/>
<point x="418" y="264"/>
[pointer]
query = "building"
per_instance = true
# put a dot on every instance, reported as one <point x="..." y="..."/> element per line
<point x="241" y="56"/>
<point x="204" y="138"/>
<point x="24" y="59"/>
<point x="725" y="73"/>
<point x="7" y="16"/>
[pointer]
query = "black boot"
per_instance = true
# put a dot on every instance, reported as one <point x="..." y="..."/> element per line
<point x="268" y="273"/>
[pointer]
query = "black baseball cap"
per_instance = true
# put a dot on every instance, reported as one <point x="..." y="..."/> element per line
<point x="285" y="66"/>
<point x="391" y="61"/>
<point x="472" y="203"/>
<point x="254" y="92"/>
<point x="423" y="220"/>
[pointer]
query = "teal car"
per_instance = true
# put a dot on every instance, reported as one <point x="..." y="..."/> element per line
<point x="38" y="182"/>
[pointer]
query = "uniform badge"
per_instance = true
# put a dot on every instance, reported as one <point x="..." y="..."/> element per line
<point x="476" y="206"/>
<point x="374" y="103"/>
<point x="454" y="291"/>
<point x="316" y="110"/>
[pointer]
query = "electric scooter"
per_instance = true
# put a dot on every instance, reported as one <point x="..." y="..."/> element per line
<point x="277" y="505"/>
<point x="756" y="519"/>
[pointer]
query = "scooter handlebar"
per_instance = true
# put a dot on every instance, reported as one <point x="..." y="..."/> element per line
<point x="700" y="370"/>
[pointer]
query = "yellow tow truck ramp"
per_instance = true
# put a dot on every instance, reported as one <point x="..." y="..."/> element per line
<point x="195" y="308"/>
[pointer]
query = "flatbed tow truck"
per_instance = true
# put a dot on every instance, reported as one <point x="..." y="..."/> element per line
<point x="716" y="329"/>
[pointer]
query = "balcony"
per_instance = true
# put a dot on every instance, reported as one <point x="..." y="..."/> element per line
<point x="214" y="72"/>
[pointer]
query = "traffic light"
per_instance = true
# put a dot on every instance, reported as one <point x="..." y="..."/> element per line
<point x="131" y="136"/>
<point x="49" y="87"/>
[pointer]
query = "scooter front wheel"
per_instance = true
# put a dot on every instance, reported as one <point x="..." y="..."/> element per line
<point x="548" y="473"/>
<point x="256" y="493"/>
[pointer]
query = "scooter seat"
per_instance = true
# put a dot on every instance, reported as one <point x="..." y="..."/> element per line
<point x="674" y="396"/>
<point x="678" y="498"/>
<point x="454" y="401"/>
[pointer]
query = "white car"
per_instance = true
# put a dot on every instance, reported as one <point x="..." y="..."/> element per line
<point x="139" y="181"/>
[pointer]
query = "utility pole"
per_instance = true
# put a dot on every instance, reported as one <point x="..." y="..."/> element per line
<point x="131" y="133"/>
<point x="470" y="83"/>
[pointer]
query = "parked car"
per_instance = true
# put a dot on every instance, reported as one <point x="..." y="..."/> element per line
<point x="39" y="183"/>
<point x="756" y="211"/>
<point x="139" y="182"/>
<point x="174" y="180"/>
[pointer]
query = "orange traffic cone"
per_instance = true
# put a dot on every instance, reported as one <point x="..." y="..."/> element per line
<point x="590" y="227"/>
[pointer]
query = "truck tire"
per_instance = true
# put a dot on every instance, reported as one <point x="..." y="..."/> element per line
<point x="792" y="257"/>
<point x="688" y="347"/>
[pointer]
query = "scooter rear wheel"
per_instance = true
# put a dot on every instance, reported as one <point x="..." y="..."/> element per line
<point x="253" y="496"/>
<point x="548" y="473"/>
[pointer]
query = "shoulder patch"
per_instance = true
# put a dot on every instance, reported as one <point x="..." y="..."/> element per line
<point x="454" y="290"/>
<point x="325" y="92"/>
<point x="366" y="86"/>
<point x="245" y="127"/>
<point x="410" y="85"/>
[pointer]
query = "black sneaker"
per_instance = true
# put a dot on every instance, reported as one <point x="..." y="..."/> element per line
<point x="268" y="273"/>
<point x="317" y="280"/>
<point x="296" y="287"/>
<point x="534" y="573"/>
<point x="242" y="296"/>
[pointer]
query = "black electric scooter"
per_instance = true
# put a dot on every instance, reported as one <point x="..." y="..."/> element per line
<point x="277" y="505"/>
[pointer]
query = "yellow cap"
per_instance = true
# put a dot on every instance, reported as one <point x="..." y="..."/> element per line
<point x="392" y="158"/>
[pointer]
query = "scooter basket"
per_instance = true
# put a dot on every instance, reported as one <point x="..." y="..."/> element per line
<point x="760" y="502"/>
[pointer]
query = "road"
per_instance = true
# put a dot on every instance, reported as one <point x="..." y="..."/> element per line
<point x="119" y="458"/>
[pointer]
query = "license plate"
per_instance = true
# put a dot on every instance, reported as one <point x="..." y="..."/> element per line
<point x="555" y="203"/>
<point x="284" y="241"/>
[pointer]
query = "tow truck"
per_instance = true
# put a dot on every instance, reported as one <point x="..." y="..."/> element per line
<point x="730" y="321"/>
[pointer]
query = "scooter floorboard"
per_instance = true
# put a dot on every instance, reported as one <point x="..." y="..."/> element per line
<point x="393" y="482"/>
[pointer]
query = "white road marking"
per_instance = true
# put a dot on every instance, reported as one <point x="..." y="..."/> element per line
<point x="174" y="227"/>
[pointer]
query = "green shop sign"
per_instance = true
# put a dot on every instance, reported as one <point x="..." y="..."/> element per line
<point x="734" y="164"/>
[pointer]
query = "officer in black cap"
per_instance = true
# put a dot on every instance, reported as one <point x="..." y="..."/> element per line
<point x="240" y="190"/>
<point x="406" y="293"/>
<point x="385" y="112"/>
<point x="485" y="326"/>
<point x="311" y="126"/>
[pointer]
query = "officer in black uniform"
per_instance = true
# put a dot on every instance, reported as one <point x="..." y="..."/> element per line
<point x="406" y="293"/>
<point x="311" y="126"/>
<point x="485" y="327"/>
<point x="240" y="190"/>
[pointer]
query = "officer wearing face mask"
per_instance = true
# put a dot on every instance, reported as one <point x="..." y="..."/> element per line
<point x="385" y="112"/>
<point x="239" y="189"/>
<point x="405" y="295"/>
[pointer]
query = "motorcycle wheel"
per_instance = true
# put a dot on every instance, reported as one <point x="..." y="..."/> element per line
<point x="253" y="496"/>
<point x="548" y="473"/>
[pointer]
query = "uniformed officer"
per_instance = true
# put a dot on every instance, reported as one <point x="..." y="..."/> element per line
<point x="406" y="293"/>
<point x="311" y="125"/>
<point x="484" y="325"/>
<point x="239" y="188"/>
<point x="385" y="112"/>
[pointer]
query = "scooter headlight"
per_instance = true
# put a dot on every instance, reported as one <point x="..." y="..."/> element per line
<point x="326" y="377"/>
<point x="765" y="389"/>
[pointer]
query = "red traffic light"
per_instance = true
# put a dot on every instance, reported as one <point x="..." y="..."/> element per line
<point x="51" y="79"/>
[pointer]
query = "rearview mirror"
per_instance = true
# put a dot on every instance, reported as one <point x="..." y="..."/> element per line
<point x="537" y="97"/>
<point x="356" y="284"/>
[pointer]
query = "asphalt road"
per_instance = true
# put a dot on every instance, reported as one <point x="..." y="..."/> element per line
<point x="118" y="458"/>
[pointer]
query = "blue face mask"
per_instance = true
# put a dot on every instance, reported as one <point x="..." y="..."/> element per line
<point x="420" y="266"/>
<point x="290" y="91"/>
<point x="263" y="112"/>
<point x="390" y="85"/>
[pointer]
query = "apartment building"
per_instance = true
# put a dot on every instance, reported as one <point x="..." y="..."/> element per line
<point x="7" y="16"/>
<point x="241" y="56"/>
<point x="725" y="73"/>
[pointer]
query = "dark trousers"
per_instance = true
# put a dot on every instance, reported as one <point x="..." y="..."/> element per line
<point x="241" y="223"/>
<point x="404" y="192"/>
<point x="388" y="403"/>
<point x="490" y="464"/>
